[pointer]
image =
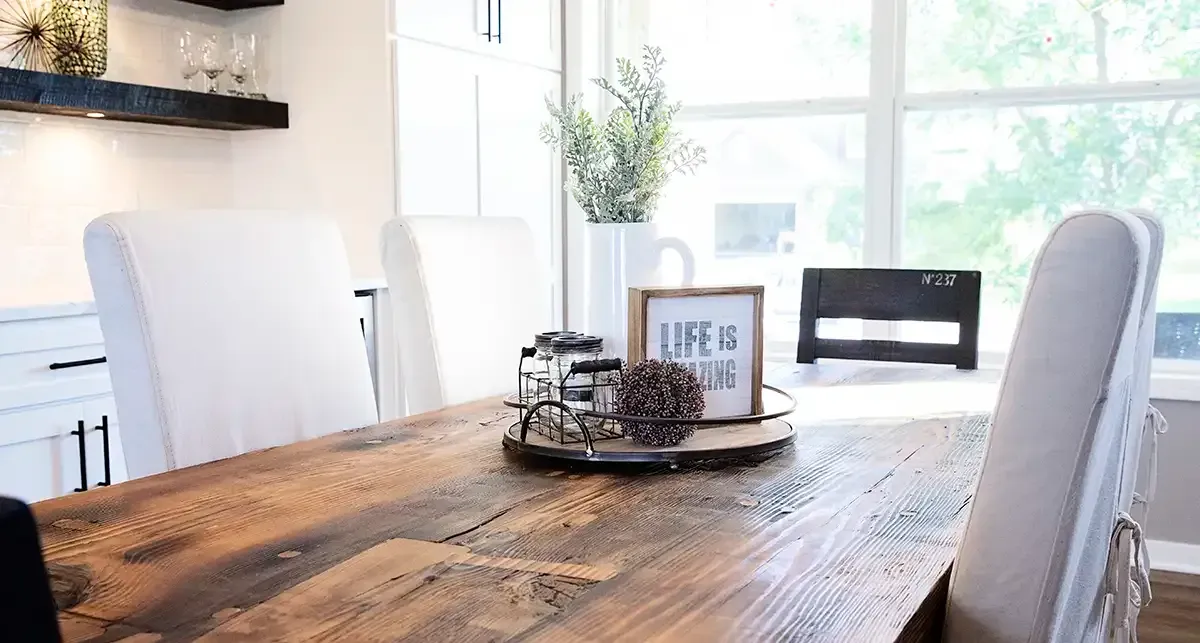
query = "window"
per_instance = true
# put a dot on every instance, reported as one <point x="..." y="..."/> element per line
<point x="748" y="229"/>
<point x="777" y="194"/>
<point x="944" y="134"/>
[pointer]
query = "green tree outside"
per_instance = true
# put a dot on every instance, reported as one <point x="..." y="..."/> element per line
<point x="1127" y="154"/>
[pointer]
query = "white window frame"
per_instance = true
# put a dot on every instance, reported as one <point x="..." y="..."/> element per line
<point x="885" y="108"/>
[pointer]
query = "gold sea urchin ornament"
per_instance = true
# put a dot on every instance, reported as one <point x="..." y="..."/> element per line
<point x="27" y="35"/>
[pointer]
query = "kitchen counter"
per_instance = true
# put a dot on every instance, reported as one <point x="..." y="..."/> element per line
<point x="73" y="308"/>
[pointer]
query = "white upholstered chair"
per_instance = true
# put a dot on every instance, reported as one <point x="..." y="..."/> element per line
<point x="467" y="293"/>
<point x="226" y="332"/>
<point x="1034" y="565"/>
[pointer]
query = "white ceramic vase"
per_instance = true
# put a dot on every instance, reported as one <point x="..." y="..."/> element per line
<point x="622" y="256"/>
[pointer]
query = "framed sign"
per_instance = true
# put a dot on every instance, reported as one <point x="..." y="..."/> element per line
<point x="716" y="332"/>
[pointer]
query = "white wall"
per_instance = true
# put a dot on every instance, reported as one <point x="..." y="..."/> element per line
<point x="57" y="173"/>
<point x="338" y="157"/>
<point x="1174" y="514"/>
<point x="329" y="59"/>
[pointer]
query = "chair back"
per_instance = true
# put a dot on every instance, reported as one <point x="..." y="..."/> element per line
<point x="27" y="611"/>
<point x="1147" y="325"/>
<point x="226" y="332"/>
<point x="890" y="295"/>
<point x="467" y="293"/>
<point x="1033" y="560"/>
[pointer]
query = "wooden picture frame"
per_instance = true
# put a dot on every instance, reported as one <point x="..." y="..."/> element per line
<point x="642" y="308"/>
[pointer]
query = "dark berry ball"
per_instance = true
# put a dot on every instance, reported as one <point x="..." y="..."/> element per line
<point x="659" y="389"/>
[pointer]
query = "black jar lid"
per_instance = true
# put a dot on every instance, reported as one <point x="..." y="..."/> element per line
<point x="544" y="339"/>
<point x="576" y="344"/>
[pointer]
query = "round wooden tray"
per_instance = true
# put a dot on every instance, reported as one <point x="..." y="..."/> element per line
<point x="709" y="443"/>
<point x="776" y="404"/>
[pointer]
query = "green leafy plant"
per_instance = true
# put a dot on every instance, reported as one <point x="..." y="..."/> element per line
<point x="618" y="168"/>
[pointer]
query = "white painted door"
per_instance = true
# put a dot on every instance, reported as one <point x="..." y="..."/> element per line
<point x="457" y="23"/>
<point x="520" y="176"/>
<point x="437" y="130"/>
<point x="96" y="412"/>
<point x="39" y="458"/>
<point x="530" y="31"/>
<point x="469" y="144"/>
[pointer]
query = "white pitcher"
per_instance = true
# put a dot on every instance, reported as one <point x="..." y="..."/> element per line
<point x="622" y="256"/>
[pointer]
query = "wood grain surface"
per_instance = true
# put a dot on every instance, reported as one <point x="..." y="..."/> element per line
<point x="425" y="529"/>
<point x="706" y="438"/>
<point x="1171" y="616"/>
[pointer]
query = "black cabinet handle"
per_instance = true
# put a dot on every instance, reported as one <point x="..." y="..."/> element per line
<point x="103" y="428"/>
<point x="58" y="366"/>
<point x="82" y="458"/>
<point x="488" y="33"/>
<point x="499" y="20"/>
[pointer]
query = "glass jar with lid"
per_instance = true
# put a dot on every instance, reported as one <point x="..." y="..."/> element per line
<point x="543" y="369"/>
<point x="576" y="390"/>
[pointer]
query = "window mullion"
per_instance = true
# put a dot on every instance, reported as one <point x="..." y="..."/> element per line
<point x="881" y="217"/>
<point x="878" y="241"/>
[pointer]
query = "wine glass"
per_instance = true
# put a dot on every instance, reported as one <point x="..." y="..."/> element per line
<point x="189" y="59"/>
<point x="213" y="61"/>
<point x="240" y="62"/>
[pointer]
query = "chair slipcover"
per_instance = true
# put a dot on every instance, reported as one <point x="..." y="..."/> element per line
<point x="467" y="293"/>
<point x="226" y="332"/>
<point x="1034" y="559"/>
<point x="1150" y="426"/>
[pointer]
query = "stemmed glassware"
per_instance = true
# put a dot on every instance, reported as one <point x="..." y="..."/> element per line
<point x="213" y="61"/>
<point x="238" y="54"/>
<point x="241" y="61"/>
<point x="189" y="57"/>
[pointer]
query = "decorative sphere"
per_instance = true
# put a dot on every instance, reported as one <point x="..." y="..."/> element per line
<point x="659" y="389"/>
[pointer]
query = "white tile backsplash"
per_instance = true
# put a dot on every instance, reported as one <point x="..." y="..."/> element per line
<point x="56" y="173"/>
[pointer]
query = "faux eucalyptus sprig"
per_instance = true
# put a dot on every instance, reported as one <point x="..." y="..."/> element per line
<point x="619" y="168"/>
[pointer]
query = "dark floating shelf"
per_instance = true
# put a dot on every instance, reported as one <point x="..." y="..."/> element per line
<point x="41" y="93"/>
<point x="234" y="5"/>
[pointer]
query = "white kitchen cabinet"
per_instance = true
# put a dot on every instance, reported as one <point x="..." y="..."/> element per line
<point x="37" y="452"/>
<point x="100" y="412"/>
<point x="40" y="456"/>
<point x="530" y="32"/>
<point x="457" y="23"/>
<point x="524" y="31"/>
<point x="469" y="144"/>
<point x="519" y="175"/>
<point x="436" y="115"/>
<point x="52" y="378"/>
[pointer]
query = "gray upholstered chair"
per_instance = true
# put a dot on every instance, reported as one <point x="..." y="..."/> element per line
<point x="1146" y="429"/>
<point x="1038" y="562"/>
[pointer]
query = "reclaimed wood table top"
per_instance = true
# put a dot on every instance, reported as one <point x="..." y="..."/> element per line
<point x="425" y="529"/>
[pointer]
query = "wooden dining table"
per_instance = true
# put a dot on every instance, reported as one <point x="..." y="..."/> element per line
<point x="427" y="529"/>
